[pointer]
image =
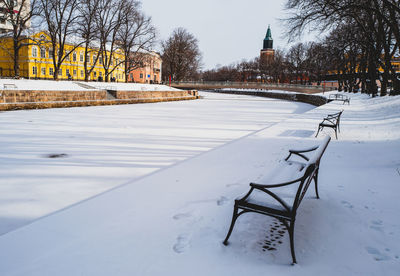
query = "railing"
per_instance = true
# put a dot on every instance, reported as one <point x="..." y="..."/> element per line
<point x="256" y="85"/>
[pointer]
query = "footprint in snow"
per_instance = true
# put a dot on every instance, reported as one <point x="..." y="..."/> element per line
<point x="377" y="225"/>
<point x="222" y="200"/>
<point x="232" y="184"/>
<point x="347" y="204"/>
<point x="181" y="216"/>
<point x="182" y="242"/>
<point x="378" y="256"/>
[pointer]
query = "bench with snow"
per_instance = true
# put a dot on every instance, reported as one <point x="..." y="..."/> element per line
<point x="332" y="121"/>
<point x="282" y="199"/>
<point x="339" y="97"/>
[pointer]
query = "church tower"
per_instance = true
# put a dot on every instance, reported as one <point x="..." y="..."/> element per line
<point x="267" y="52"/>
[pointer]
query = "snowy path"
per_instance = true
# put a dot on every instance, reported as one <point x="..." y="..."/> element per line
<point x="172" y="221"/>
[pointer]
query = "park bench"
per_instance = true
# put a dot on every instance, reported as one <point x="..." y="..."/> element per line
<point x="339" y="97"/>
<point x="282" y="199"/>
<point x="332" y="121"/>
<point x="9" y="86"/>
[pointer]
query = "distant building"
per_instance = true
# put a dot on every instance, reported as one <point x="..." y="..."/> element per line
<point x="267" y="52"/>
<point x="9" y="8"/>
<point x="149" y="71"/>
<point x="36" y="61"/>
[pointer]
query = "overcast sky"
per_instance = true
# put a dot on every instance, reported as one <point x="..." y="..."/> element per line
<point x="228" y="30"/>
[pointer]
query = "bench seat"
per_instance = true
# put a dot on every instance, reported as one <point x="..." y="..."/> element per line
<point x="282" y="173"/>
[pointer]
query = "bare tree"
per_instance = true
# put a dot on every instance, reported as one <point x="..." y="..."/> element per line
<point x="181" y="55"/>
<point x="136" y="37"/>
<point x="109" y="20"/>
<point x="296" y="57"/>
<point x="279" y="67"/>
<point x="61" y="17"/>
<point x="19" y="14"/>
<point x="87" y="29"/>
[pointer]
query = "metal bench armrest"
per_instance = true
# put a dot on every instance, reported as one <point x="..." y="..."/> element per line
<point x="299" y="153"/>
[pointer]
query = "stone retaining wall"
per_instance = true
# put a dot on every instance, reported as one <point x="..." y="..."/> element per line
<point x="304" y="98"/>
<point x="153" y="94"/>
<point x="16" y="99"/>
<point x="25" y="96"/>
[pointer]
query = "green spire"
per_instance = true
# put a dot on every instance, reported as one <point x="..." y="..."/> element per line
<point x="268" y="36"/>
<point x="268" y="41"/>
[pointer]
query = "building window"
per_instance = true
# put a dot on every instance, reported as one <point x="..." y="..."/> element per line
<point x="82" y="74"/>
<point x="60" y="72"/>
<point x="94" y="75"/>
<point x="100" y="74"/>
<point x="141" y="75"/>
<point x="81" y="57"/>
<point x="43" y="71"/>
<point x="74" y="57"/>
<point x="51" y="53"/>
<point x="67" y="72"/>
<point x="51" y="71"/>
<point x="75" y="73"/>
<point x="43" y="52"/>
<point x="34" y="70"/>
<point x="34" y="51"/>
<point x="67" y="57"/>
<point x="94" y="59"/>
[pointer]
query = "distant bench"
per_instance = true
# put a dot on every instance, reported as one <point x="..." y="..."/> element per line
<point x="9" y="86"/>
<point x="282" y="199"/>
<point x="332" y="121"/>
<point x="339" y="97"/>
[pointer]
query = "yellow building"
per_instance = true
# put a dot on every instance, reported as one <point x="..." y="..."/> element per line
<point x="36" y="61"/>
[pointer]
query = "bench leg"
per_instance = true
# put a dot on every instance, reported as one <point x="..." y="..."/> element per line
<point x="291" y="234"/>
<point x="234" y="218"/>
<point x="336" y="132"/>
<point x="290" y="229"/>
<point x="316" y="183"/>
<point x="319" y="128"/>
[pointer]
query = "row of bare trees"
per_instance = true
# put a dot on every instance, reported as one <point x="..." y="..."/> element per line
<point x="361" y="40"/>
<point x="364" y="36"/>
<point x="101" y="27"/>
<point x="301" y="64"/>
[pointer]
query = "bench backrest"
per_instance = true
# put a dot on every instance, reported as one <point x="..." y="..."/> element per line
<point x="338" y="97"/>
<point x="310" y="169"/>
<point x="334" y="118"/>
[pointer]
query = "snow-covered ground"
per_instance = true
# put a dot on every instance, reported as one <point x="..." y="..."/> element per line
<point x="174" y="170"/>
<point x="25" y="84"/>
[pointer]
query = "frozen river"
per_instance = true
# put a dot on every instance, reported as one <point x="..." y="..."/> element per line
<point x="54" y="158"/>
